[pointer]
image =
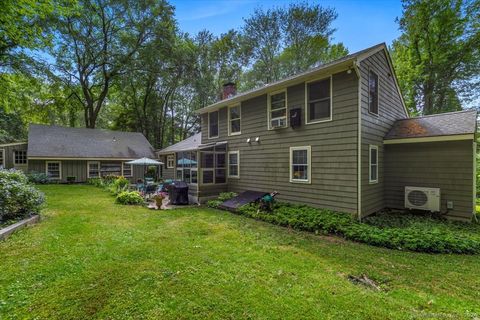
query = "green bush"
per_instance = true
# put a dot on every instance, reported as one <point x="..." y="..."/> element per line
<point x="119" y="185"/>
<point x="129" y="197"/>
<point x="37" y="177"/>
<point x="214" y="203"/>
<point x="390" y="231"/>
<point x="18" y="198"/>
<point x="97" y="182"/>
<point x="109" y="180"/>
<point x="224" y="196"/>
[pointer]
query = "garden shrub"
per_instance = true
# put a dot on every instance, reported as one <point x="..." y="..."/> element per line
<point x="129" y="197"/>
<point x="119" y="185"/>
<point x="37" y="177"/>
<point x="97" y="182"/>
<point x="214" y="203"/>
<point x="402" y="232"/>
<point x="224" y="196"/>
<point x="18" y="198"/>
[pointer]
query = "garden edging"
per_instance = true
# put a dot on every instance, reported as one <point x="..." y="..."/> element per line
<point x="7" y="231"/>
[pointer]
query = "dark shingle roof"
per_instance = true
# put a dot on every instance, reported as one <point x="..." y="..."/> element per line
<point x="62" y="142"/>
<point x="444" y="124"/>
<point x="191" y="143"/>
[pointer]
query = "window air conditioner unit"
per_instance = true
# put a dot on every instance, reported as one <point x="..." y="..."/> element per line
<point x="277" y="123"/>
<point x="421" y="198"/>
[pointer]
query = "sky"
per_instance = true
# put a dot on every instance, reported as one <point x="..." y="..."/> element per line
<point x="360" y="24"/>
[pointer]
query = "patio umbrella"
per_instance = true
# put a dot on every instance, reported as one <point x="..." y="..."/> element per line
<point x="144" y="162"/>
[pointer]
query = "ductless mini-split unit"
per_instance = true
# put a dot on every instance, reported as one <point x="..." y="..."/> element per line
<point x="421" y="198"/>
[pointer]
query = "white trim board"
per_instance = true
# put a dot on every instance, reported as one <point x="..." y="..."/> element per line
<point x="82" y="159"/>
<point x="13" y="144"/>
<point x="457" y="137"/>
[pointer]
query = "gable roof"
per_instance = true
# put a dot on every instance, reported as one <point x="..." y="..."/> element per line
<point x="62" y="142"/>
<point x="191" y="143"/>
<point x="444" y="124"/>
<point x="342" y="63"/>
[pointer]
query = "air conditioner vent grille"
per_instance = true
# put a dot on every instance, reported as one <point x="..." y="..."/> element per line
<point x="417" y="198"/>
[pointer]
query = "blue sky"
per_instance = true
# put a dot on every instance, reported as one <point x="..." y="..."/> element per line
<point x="360" y="24"/>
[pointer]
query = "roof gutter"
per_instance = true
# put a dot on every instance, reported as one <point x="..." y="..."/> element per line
<point x="456" y="137"/>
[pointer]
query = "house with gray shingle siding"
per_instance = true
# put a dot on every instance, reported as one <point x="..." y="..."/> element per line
<point x="337" y="136"/>
<point x="78" y="153"/>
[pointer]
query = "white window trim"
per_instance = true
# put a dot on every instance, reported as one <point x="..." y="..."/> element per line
<point x="88" y="168"/>
<point x="172" y="157"/>
<point x="269" y="109"/>
<point x="378" y="93"/>
<point x="59" y="169"/>
<point x="237" y="152"/>
<point x="218" y="125"/>
<point x="3" y="158"/>
<point x="230" y="133"/>
<point x="309" y="165"/>
<point x="306" y="101"/>
<point x="370" y="148"/>
<point x="131" y="170"/>
<point x="15" y="160"/>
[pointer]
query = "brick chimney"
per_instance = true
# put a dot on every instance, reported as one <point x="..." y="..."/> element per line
<point x="229" y="90"/>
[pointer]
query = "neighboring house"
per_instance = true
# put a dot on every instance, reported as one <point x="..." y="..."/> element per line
<point x="82" y="153"/>
<point x="337" y="136"/>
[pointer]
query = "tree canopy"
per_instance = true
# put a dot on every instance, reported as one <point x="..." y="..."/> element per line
<point x="437" y="57"/>
<point x="126" y="65"/>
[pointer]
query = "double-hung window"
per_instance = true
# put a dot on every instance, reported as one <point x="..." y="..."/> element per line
<point x="93" y="169"/>
<point x="171" y="161"/>
<point x="54" y="170"/>
<point x="213" y="124"/>
<point x="20" y="157"/>
<point x="373" y="92"/>
<point x="234" y="120"/>
<point x="127" y="170"/>
<point x="300" y="164"/>
<point x="318" y="100"/>
<point x="373" y="164"/>
<point x="277" y="110"/>
<point x="234" y="164"/>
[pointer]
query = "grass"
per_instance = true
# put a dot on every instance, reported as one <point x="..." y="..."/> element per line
<point x="93" y="259"/>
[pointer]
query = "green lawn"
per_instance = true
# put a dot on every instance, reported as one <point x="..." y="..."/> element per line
<point x="92" y="259"/>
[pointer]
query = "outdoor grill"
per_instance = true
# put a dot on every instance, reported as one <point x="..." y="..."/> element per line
<point x="178" y="192"/>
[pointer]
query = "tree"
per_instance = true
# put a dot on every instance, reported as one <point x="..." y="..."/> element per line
<point x="23" y="25"/>
<point x="96" y="42"/>
<point x="437" y="58"/>
<point x="287" y="40"/>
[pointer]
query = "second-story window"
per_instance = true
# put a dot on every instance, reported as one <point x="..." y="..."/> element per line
<point x="234" y="120"/>
<point x="373" y="92"/>
<point x="319" y="104"/>
<point x="213" y="124"/>
<point x="277" y="110"/>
